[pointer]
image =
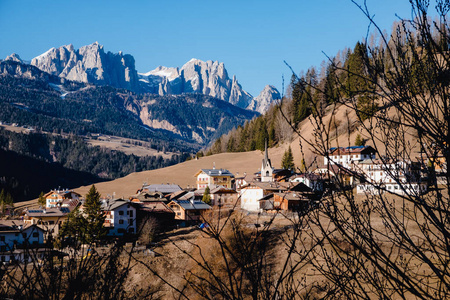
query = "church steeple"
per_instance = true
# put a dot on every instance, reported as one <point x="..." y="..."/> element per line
<point x="266" y="153"/>
<point x="266" y="167"/>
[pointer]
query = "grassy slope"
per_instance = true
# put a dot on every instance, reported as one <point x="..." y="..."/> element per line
<point x="183" y="174"/>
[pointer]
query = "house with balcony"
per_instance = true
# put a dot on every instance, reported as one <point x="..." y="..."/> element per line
<point x="56" y="198"/>
<point x="17" y="236"/>
<point x="348" y="156"/>
<point x="188" y="210"/>
<point x="49" y="219"/>
<point x="397" y="177"/>
<point x="120" y="217"/>
<point x="224" y="197"/>
<point x="214" y="177"/>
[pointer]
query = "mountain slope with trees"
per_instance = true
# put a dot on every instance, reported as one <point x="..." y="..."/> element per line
<point x="33" y="98"/>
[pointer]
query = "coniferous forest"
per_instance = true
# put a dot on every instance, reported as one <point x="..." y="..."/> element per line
<point x="28" y="158"/>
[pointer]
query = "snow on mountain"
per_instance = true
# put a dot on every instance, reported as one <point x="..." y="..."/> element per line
<point x="91" y="64"/>
<point x="197" y="76"/>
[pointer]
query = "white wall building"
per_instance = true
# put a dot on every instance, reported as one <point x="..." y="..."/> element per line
<point x="402" y="177"/>
<point x="249" y="196"/>
<point x="55" y="198"/>
<point x="348" y="156"/>
<point x="311" y="180"/>
<point x="15" y="234"/>
<point x="120" y="217"/>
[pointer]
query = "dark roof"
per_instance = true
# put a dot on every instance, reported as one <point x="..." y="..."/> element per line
<point x="14" y="226"/>
<point x="222" y="190"/>
<point x="293" y="196"/>
<point x="49" y="212"/>
<point x="148" y="196"/>
<point x="310" y="176"/>
<point x="155" y="206"/>
<point x="301" y="187"/>
<point x="192" y="205"/>
<point x="113" y="204"/>
<point x="163" y="188"/>
<point x="352" y="150"/>
<point x="272" y="186"/>
<point x="217" y="172"/>
<point x="177" y="194"/>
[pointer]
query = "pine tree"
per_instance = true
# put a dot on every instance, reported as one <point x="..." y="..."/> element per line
<point x="206" y="196"/>
<point x="356" y="81"/>
<point x="359" y="141"/>
<point x="288" y="160"/>
<point x="93" y="216"/>
<point x="5" y="200"/>
<point x="42" y="201"/>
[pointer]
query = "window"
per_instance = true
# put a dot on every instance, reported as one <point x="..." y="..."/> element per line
<point x="2" y="238"/>
<point x="120" y="221"/>
<point x="130" y="222"/>
<point x="178" y="214"/>
<point x="131" y="213"/>
<point x="121" y="213"/>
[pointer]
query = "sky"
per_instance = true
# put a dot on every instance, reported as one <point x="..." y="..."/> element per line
<point x="252" y="38"/>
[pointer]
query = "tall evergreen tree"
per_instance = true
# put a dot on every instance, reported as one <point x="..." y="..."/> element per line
<point x="93" y="216"/>
<point x="356" y="64"/>
<point x="206" y="196"/>
<point x="42" y="201"/>
<point x="5" y="200"/>
<point x="288" y="160"/>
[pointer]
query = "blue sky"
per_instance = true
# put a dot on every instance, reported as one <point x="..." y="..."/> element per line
<point x="252" y="38"/>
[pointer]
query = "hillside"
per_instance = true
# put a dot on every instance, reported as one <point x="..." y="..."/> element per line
<point x="183" y="173"/>
<point x="185" y="123"/>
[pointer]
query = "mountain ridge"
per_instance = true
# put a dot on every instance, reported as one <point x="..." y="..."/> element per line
<point x="33" y="97"/>
<point x="92" y="64"/>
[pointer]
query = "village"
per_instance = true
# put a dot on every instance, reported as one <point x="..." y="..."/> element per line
<point x="268" y="191"/>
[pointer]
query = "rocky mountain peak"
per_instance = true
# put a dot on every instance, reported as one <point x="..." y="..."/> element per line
<point x="197" y="76"/>
<point x="92" y="64"/>
<point x="265" y="99"/>
<point x="14" y="57"/>
<point x="89" y="64"/>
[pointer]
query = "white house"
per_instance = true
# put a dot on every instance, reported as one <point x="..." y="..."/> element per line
<point x="16" y="234"/>
<point x="401" y="177"/>
<point x="311" y="180"/>
<point x="251" y="194"/>
<point x="348" y="156"/>
<point x="120" y="217"/>
<point x="55" y="198"/>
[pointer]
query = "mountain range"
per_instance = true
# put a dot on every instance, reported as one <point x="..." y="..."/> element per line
<point x="92" y="64"/>
<point x="187" y="122"/>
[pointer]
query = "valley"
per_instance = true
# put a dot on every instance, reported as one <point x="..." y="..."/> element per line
<point x="175" y="182"/>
